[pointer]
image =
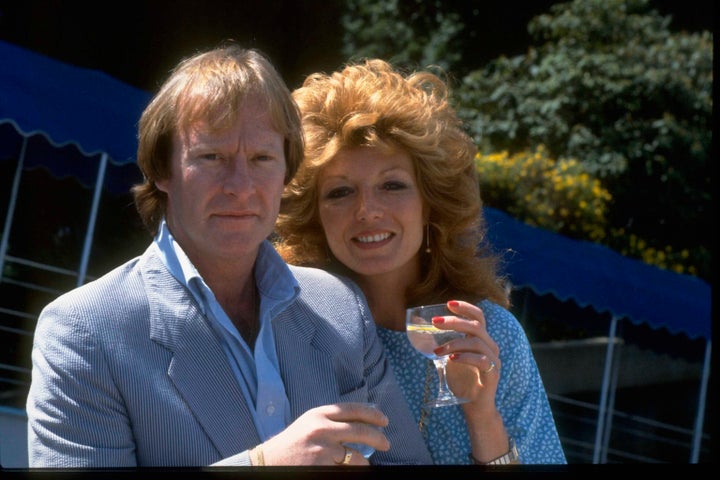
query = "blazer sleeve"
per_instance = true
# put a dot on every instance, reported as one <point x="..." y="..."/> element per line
<point x="345" y="342"/>
<point x="76" y="418"/>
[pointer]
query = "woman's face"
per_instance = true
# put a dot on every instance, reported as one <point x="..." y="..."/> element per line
<point x="371" y="210"/>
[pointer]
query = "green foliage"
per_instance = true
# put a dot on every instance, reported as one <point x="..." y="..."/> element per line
<point x="611" y="86"/>
<point x="663" y="257"/>
<point x="560" y="195"/>
<point x="557" y="195"/>
<point x="413" y="33"/>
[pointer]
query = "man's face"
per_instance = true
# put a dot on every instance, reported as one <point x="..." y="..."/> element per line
<point x="225" y="187"/>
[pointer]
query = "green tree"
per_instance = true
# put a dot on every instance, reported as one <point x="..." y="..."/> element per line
<point x="610" y="85"/>
<point x="416" y="33"/>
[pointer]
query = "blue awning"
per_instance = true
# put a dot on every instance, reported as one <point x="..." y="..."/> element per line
<point x="596" y="276"/>
<point x="69" y="105"/>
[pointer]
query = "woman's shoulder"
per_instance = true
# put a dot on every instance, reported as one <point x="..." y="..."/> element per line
<point x="497" y="313"/>
<point x="502" y="324"/>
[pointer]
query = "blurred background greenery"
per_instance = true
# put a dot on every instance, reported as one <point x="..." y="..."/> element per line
<point x="601" y="131"/>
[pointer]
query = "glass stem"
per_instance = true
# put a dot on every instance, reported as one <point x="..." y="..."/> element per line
<point x="443" y="388"/>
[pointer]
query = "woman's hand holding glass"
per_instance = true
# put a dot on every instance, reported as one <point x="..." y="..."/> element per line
<point x="420" y="324"/>
<point x="474" y="367"/>
<point x="473" y="371"/>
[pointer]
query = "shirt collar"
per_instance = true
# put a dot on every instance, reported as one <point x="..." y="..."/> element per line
<point x="276" y="284"/>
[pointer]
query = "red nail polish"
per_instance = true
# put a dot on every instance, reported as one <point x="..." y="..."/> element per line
<point x="453" y="303"/>
<point x="454" y="356"/>
<point x="438" y="320"/>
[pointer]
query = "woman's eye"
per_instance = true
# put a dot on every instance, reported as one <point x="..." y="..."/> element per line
<point x="210" y="156"/>
<point x="394" y="185"/>
<point x="339" y="192"/>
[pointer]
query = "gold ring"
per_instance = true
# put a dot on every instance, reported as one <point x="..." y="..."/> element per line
<point x="348" y="456"/>
<point x="490" y="368"/>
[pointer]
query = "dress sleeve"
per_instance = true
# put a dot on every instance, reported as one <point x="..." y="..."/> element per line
<point x="521" y="397"/>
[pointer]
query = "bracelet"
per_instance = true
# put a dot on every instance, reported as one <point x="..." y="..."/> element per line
<point x="507" y="458"/>
<point x="257" y="459"/>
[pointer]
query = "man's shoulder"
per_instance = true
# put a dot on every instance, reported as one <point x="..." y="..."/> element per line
<point x="317" y="275"/>
<point x="318" y="286"/>
<point x="108" y="282"/>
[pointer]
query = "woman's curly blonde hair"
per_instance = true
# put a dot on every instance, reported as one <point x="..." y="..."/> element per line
<point x="370" y="104"/>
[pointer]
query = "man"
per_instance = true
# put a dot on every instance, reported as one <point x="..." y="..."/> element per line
<point x="208" y="349"/>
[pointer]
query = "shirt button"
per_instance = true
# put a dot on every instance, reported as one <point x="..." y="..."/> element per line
<point x="270" y="409"/>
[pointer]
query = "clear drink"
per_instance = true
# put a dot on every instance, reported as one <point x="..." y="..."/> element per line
<point x="365" y="450"/>
<point x="426" y="338"/>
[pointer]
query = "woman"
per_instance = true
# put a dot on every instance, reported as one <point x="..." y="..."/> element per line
<point x="388" y="195"/>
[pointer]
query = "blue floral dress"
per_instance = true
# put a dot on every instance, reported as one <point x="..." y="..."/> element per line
<point x="521" y="397"/>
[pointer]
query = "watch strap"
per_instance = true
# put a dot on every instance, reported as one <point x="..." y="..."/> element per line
<point x="508" y="458"/>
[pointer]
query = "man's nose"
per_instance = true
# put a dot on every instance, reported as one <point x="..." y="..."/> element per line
<point x="236" y="177"/>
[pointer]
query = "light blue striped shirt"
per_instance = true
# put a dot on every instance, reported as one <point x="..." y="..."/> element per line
<point x="257" y="371"/>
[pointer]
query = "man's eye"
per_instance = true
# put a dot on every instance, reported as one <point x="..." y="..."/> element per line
<point x="210" y="156"/>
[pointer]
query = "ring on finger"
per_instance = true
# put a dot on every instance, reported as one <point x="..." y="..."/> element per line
<point x="490" y="368"/>
<point x="347" y="458"/>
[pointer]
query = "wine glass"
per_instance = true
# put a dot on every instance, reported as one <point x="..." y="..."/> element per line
<point x="425" y="337"/>
<point x="364" y="449"/>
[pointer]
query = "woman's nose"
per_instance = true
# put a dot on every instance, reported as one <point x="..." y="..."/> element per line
<point x="368" y="207"/>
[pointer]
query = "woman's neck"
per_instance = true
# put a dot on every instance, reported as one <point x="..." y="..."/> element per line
<point x="386" y="297"/>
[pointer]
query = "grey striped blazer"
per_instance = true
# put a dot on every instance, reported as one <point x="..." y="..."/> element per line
<point x="127" y="372"/>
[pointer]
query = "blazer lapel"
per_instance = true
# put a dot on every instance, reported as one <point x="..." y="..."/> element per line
<point x="306" y="368"/>
<point x="199" y="367"/>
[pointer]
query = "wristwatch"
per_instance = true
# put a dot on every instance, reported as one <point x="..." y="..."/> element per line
<point x="507" y="458"/>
